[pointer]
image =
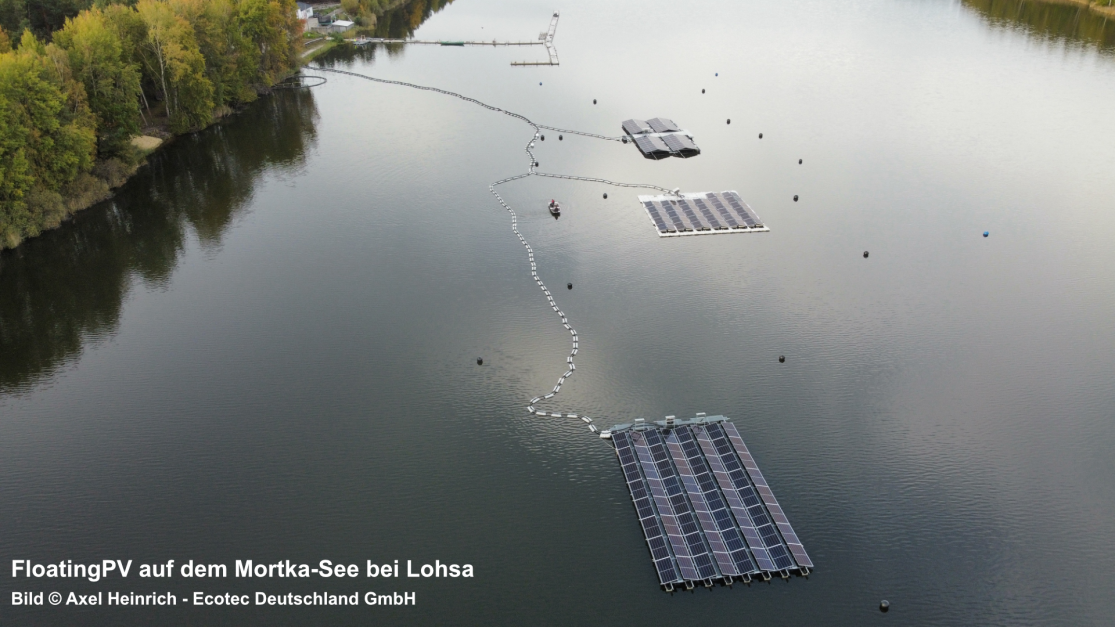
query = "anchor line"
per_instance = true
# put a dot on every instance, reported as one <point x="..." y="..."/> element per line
<point x="593" y="135"/>
<point x="515" y="221"/>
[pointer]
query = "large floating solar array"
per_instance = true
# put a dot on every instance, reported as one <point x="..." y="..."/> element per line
<point x="706" y="511"/>
<point x="703" y="213"/>
<point x="658" y="138"/>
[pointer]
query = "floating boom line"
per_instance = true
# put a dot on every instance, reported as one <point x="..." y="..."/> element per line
<point x="531" y="171"/>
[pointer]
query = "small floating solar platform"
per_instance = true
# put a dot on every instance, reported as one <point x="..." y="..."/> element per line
<point x="658" y="138"/>
<point x="706" y="511"/>
<point x="701" y="213"/>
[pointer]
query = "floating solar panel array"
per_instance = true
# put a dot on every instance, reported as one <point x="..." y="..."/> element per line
<point x="658" y="138"/>
<point x="706" y="511"/>
<point x="703" y="213"/>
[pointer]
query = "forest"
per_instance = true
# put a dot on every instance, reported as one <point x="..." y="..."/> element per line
<point x="80" y="78"/>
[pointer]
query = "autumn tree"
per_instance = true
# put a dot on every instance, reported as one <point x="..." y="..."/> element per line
<point x="47" y="137"/>
<point x="111" y="80"/>
<point x="177" y="66"/>
<point x="274" y="28"/>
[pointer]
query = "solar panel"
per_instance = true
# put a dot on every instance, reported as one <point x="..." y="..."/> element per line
<point x="711" y="509"/>
<point x="662" y="125"/>
<point x="688" y="211"/>
<point x="686" y="516"/>
<point x="635" y="127"/>
<point x="720" y="208"/>
<point x="663" y="562"/>
<point x="779" y="553"/>
<point x="780" y="519"/>
<point x="652" y="147"/>
<point x="705" y="509"/>
<point x="735" y="500"/>
<point x="655" y="216"/>
<point x="670" y="523"/>
<point x="744" y="210"/>
<point x="711" y="219"/>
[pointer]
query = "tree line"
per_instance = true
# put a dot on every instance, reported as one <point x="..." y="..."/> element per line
<point x="79" y="79"/>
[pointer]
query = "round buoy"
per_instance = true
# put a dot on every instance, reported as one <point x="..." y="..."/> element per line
<point x="718" y="74"/>
<point x="985" y="233"/>
<point x="760" y="135"/>
<point x="781" y="359"/>
<point x="559" y="137"/>
<point x="884" y="605"/>
<point x="865" y="254"/>
<point x="543" y="138"/>
<point x="799" y="161"/>
<point x="729" y="120"/>
<point x="594" y="101"/>
<point x="605" y="195"/>
<point x="539" y="84"/>
<point x="795" y="197"/>
<point x="570" y="286"/>
<point x="702" y="91"/>
<point x="479" y="361"/>
<point x="625" y="140"/>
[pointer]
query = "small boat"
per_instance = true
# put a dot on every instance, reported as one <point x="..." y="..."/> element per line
<point x="555" y="208"/>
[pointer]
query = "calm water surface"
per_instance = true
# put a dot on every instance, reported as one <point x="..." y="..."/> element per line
<point x="264" y="347"/>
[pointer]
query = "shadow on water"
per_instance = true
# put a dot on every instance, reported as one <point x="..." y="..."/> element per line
<point x="66" y="287"/>
<point x="398" y="23"/>
<point x="1068" y="23"/>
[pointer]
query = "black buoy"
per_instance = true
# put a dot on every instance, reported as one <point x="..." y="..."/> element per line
<point x="594" y="101"/>
<point x="884" y="605"/>
<point x="760" y="135"/>
<point x="559" y="137"/>
<point x="795" y="197"/>
<point x="799" y="161"/>
<point x="781" y="359"/>
<point x="729" y="120"/>
<point x="570" y="286"/>
<point x="865" y="254"/>
<point x="536" y="164"/>
<point x="543" y="138"/>
<point x="479" y="361"/>
<point x="625" y="140"/>
<point x="702" y="91"/>
<point x="605" y="195"/>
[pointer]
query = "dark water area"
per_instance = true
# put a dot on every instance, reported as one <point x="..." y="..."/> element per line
<point x="1065" y="23"/>
<point x="264" y="347"/>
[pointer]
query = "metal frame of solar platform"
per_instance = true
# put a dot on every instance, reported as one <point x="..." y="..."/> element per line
<point x="701" y="213"/>
<point x="706" y="511"/>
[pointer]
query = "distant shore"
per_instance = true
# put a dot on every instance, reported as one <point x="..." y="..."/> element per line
<point x="1103" y="9"/>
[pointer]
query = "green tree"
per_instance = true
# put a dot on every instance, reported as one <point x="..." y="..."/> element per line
<point x="178" y="66"/>
<point x="111" y="81"/>
<point x="5" y="43"/>
<point x="274" y="28"/>
<point x="47" y="137"/>
<point x="231" y="58"/>
<point x="13" y="16"/>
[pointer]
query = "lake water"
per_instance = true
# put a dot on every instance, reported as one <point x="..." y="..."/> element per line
<point x="265" y="346"/>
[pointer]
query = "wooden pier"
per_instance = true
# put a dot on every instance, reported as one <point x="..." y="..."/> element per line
<point x="544" y="39"/>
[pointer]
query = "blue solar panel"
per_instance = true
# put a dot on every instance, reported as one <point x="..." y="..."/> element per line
<point x="677" y="517"/>
<point x="780" y="519"/>
<point x="705" y="509"/>
<point x="663" y="561"/>
<point x="779" y="554"/>
<point x="711" y="510"/>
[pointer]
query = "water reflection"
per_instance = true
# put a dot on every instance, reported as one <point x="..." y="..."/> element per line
<point x="398" y="23"/>
<point x="65" y="288"/>
<point x="1051" y="21"/>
